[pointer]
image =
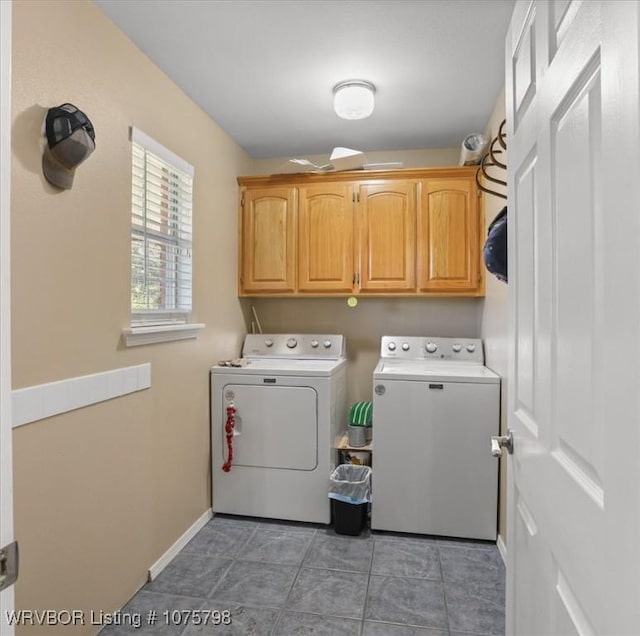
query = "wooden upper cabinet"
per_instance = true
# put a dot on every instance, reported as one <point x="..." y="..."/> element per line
<point x="325" y="238"/>
<point x="268" y="239"/>
<point x="386" y="220"/>
<point x="448" y="241"/>
<point x="396" y="232"/>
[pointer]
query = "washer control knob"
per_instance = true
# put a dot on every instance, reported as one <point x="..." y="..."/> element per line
<point x="314" y="344"/>
<point x="292" y="343"/>
<point x="327" y="344"/>
<point x="471" y="348"/>
<point x="391" y="346"/>
<point x="405" y="346"/>
<point x="431" y="347"/>
<point x="457" y="348"/>
<point x="268" y="343"/>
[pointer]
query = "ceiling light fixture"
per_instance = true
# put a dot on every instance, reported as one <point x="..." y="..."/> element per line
<point x="353" y="99"/>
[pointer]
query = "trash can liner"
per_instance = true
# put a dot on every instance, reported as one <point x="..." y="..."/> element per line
<point x="351" y="484"/>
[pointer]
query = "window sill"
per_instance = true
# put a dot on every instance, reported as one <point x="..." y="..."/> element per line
<point x="136" y="336"/>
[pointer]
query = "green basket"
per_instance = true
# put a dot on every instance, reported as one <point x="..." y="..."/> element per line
<point x="360" y="414"/>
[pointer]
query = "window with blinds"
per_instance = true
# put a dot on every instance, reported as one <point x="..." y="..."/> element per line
<point x="161" y="239"/>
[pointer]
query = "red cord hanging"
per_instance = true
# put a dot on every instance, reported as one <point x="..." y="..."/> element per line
<point x="228" y="429"/>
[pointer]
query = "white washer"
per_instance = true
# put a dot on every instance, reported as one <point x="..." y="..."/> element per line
<point x="290" y="401"/>
<point x="435" y="408"/>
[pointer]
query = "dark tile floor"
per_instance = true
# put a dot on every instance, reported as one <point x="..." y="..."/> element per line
<point x="288" y="579"/>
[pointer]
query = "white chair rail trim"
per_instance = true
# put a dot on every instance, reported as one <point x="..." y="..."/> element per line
<point x="37" y="402"/>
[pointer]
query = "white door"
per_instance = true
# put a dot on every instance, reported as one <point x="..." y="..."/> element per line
<point x="574" y="294"/>
<point x="6" y="515"/>
<point x="275" y="427"/>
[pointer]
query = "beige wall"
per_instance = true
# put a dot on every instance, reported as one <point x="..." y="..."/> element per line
<point x="102" y="492"/>
<point x="494" y="328"/>
<point x="365" y="324"/>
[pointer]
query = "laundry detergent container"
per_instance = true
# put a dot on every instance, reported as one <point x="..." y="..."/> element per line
<point x="350" y="494"/>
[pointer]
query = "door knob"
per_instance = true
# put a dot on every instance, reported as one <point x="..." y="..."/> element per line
<point x="498" y="444"/>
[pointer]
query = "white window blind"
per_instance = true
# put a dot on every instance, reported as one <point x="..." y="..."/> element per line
<point x="161" y="233"/>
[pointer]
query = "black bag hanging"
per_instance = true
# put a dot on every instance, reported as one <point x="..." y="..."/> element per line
<point x="495" y="247"/>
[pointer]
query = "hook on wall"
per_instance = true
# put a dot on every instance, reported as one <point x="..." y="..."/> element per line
<point x="489" y="159"/>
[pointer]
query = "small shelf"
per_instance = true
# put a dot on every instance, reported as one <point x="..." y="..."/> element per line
<point x="342" y="443"/>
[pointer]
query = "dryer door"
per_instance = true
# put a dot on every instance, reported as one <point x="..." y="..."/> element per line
<point x="276" y="426"/>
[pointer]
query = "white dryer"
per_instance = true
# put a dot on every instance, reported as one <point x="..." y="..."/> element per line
<point x="435" y="408"/>
<point x="284" y="408"/>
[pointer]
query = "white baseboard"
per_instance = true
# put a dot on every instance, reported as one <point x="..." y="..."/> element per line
<point x="168" y="556"/>
<point x="502" y="548"/>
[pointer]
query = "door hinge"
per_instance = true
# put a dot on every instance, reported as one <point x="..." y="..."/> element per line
<point x="9" y="563"/>
<point x="242" y="201"/>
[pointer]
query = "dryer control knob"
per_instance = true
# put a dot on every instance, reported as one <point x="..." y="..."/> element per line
<point x="471" y="348"/>
<point x="292" y="343"/>
<point x="327" y="344"/>
<point x="314" y="344"/>
<point x="405" y="346"/>
<point x="457" y="348"/>
<point x="431" y="347"/>
<point x="391" y="346"/>
<point x="268" y="343"/>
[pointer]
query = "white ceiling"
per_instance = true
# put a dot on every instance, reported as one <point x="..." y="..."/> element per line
<point x="264" y="70"/>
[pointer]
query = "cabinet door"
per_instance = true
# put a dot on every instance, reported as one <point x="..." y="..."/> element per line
<point x="325" y="238"/>
<point x="448" y="240"/>
<point x="268" y="240"/>
<point x="387" y="236"/>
